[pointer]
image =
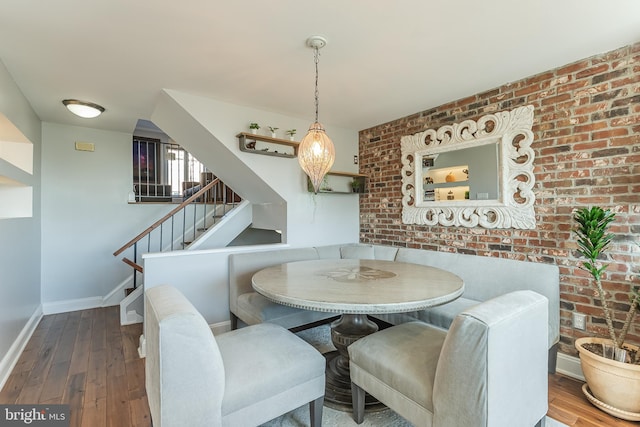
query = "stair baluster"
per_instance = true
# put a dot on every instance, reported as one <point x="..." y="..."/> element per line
<point x="202" y="197"/>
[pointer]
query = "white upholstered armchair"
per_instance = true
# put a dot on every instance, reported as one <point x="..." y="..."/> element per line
<point x="488" y="370"/>
<point x="241" y="378"/>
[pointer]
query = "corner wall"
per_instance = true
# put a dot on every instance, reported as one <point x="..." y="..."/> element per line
<point x="587" y="146"/>
<point x="276" y="186"/>
<point x="86" y="215"/>
<point x="19" y="238"/>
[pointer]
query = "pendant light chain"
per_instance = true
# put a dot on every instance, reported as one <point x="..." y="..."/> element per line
<point x="316" y="152"/>
<point x="316" y="55"/>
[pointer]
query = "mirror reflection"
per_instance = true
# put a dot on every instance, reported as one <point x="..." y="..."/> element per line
<point x="457" y="175"/>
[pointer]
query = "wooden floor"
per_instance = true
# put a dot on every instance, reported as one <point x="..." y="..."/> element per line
<point x="87" y="360"/>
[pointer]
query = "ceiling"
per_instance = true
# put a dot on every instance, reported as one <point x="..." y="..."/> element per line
<point x="384" y="60"/>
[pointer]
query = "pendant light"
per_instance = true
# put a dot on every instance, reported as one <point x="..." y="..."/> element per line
<point x="316" y="153"/>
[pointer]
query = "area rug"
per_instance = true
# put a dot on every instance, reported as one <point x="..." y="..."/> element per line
<point x="320" y="338"/>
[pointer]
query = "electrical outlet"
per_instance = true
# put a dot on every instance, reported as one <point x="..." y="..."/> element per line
<point x="355" y="159"/>
<point x="580" y="321"/>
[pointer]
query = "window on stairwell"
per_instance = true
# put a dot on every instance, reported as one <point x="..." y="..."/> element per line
<point x="165" y="172"/>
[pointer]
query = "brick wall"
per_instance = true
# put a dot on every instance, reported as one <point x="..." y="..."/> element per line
<point x="587" y="147"/>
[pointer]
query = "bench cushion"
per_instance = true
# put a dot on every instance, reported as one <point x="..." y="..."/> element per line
<point x="254" y="308"/>
<point x="487" y="277"/>
<point x="247" y="367"/>
<point x="357" y="252"/>
<point x="403" y="357"/>
<point x="442" y="316"/>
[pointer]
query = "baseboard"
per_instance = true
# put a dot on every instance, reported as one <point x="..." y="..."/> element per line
<point x="71" y="305"/>
<point x="569" y="366"/>
<point x="117" y="294"/>
<point x="10" y="359"/>
<point x="221" y="327"/>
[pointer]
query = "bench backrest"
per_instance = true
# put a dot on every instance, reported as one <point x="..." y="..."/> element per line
<point x="184" y="373"/>
<point x="242" y="267"/>
<point x="487" y="347"/>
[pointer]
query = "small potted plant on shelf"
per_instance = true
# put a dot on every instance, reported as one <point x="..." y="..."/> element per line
<point x="254" y="128"/>
<point x="611" y="367"/>
<point x="355" y="185"/>
<point x="273" y="131"/>
<point x="291" y="133"/>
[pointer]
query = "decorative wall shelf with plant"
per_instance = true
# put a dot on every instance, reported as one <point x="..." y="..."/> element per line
<point x="270" y="147"/>
<point x="341" y="183"/>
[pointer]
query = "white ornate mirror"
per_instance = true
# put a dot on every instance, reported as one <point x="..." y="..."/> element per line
<point x="471" y="173"/>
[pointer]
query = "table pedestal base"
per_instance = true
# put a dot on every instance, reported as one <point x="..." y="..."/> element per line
<point x="346" y="330"/>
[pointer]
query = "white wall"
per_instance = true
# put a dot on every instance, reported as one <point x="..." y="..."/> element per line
<point x="208" y="129"/>
<point x="85" y="214"/>
<point x="202" y="276"/>
<point x="86" y="217"/>
<point x="19" y="237"/>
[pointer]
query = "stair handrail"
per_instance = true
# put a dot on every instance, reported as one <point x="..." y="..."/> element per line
<point x="159" y="222"/>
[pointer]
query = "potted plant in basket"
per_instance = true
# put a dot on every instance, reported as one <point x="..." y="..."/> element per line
<point x="611" y="367"/>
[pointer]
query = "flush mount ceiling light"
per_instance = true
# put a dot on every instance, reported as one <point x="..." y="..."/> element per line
<point x="87" y="110"/>
<point x="316" y="153"/>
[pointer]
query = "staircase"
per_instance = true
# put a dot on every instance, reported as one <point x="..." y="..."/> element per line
<point x="179" y="229"/>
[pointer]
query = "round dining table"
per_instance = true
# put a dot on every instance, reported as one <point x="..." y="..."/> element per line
<point x="355" y="288"/>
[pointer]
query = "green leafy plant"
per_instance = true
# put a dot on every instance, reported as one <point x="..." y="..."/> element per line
<point x="254" y="126"/>
<point x="272" y="129"/>
<point x="593" y="239"/>
<point x="291" y="132"/>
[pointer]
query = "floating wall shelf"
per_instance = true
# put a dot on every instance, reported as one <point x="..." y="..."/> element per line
<point x="249" y="144"/>
<point x="339" y="185"/>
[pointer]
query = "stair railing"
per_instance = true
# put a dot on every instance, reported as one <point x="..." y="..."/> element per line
<point x="208" y="204"/>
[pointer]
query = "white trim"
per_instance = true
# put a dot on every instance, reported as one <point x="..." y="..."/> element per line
<point x="220" y="327"/>
<point x="142" y="347"/>
<point x="128" y="313"/>
<point x="569" y="366"/>
<point x="117" y="294"/>
<point x="10" y="359"/>
<point x="65" y="306"/>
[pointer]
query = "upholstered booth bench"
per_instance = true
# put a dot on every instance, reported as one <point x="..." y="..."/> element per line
<point x="484" y="277"/>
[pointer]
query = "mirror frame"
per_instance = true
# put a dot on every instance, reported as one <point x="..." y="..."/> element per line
<point x="514" y="208"/>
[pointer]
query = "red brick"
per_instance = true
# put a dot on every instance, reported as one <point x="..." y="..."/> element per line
<point x="527" y="90"/>
<point x="572" y="68"/>
<point x="569" y="87"/>
<point x="591" y="108"/>
<point x="609" y="133"/>
<point x="556" y="99"/>
<point x="598" y="163"/>
<point x="626" y="121"/>
<point x="625" y="81"/>
<point x="600" y="68"/>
